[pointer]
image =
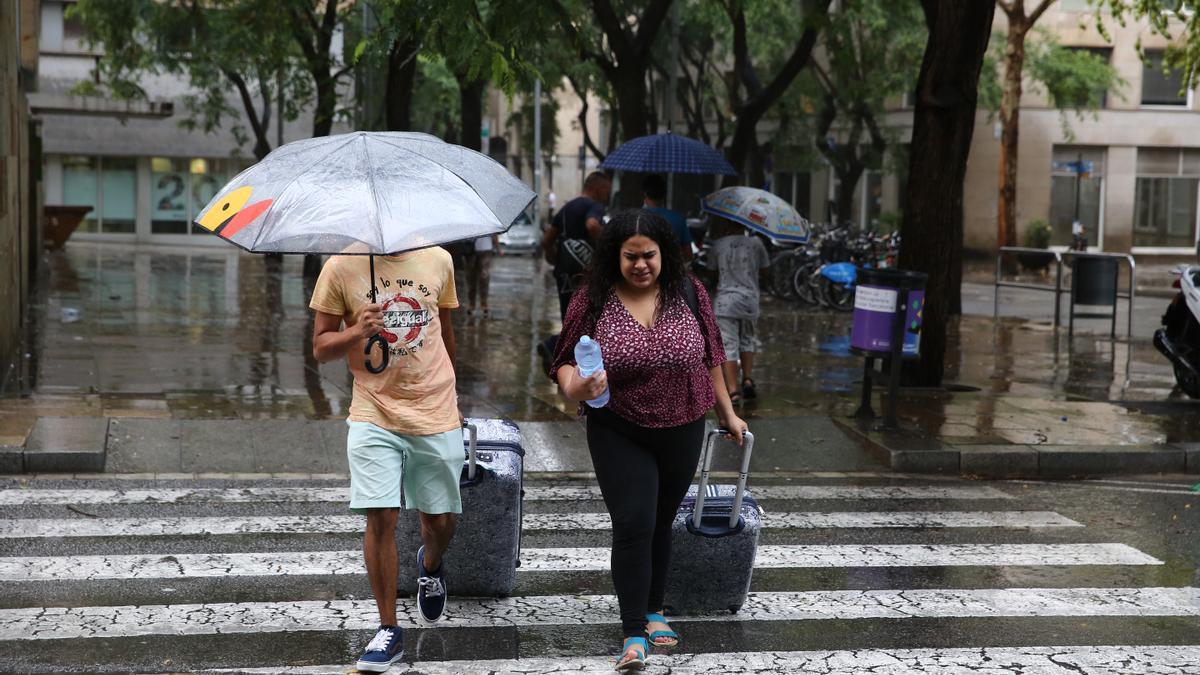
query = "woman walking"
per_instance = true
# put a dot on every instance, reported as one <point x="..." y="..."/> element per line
<point x="662" y="354"/>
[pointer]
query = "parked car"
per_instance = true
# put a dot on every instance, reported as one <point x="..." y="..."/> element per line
<point x="522" y="237"/>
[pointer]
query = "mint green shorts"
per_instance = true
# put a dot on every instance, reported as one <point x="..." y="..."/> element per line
<point x="382" y="461"/>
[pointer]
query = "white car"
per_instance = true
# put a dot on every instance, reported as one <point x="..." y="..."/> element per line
<point x="522" y="237"/>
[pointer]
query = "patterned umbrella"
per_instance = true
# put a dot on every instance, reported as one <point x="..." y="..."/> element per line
<point x="760" y="211"/>
<point x="667" y="153"/>
<point x="367" y="193"/>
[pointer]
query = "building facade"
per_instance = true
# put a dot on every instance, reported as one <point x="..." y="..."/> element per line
<point x="144" y="174"/>
<point x="19" y="186"/>
<point x="1142" y="148"/>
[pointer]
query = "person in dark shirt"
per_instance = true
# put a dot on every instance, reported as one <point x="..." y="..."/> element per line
<point x="569" y="241"/>
<point x="654" y="197"/>
<point x="572" y="234"/>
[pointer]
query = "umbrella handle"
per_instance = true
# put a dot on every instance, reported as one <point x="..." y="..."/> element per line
<point x="372" y="368"/>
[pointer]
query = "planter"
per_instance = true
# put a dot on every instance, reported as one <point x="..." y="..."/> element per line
<point x="60" y="222"/>
<point x="1035" y="262"/>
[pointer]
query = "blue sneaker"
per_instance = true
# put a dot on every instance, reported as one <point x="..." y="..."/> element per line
<point x="386" y="648"/>
<point x="431" y="591"/>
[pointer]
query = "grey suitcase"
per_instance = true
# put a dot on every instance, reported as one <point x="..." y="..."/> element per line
<point x="485" y="552"/>
<point x="712" y="556"/>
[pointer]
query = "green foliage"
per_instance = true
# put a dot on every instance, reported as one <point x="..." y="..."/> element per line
<point x="1037" y="234"/>
<point x="435" y="102"/>
<point x="872" y="51"/>
<point x="216" y="46"/>
<point x="1072" y="79"/>
<point x="1177" y="20"/>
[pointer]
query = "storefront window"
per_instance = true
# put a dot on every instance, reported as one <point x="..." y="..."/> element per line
<point x="207" y="181"/>
<point x="1075" y="195"/>
<point x="168" y="196"/>
<point x="1165" y="201"/>
<point x="80" y="189"/>
<point x="118" y="194"/>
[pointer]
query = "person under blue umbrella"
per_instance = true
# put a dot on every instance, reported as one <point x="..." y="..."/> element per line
<point x="654" y="197"/>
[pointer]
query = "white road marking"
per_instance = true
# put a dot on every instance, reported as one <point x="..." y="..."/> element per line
<point x="43" y="623"/>
<point x="532" y="493"/>
<point x="954" y="661"/>
<point x="307" y="563"/>
<point x="227" y="525"/>
<point x="1092" y="484"/>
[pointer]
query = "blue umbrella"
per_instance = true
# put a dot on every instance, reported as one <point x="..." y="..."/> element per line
<point x="667" y="153"/>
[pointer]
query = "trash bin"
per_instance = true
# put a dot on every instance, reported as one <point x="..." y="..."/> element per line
<point x="875" y="298"/>
<point x="1094" y="283"/>
<point x="1094" y="280"/>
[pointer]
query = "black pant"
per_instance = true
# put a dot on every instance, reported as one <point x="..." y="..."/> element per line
<point x="644" y="475"/>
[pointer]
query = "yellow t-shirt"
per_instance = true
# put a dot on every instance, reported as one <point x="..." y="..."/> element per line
<point x="415" y="394"/>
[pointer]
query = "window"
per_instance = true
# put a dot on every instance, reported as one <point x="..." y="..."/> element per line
<point x="181" y="188"/>
<point x="1074" y="5"/>
<point x="1074" y="195"/>
<point x="108" y="185"/>
<point x="1158" y="87"/>
<point x="118" y="194"/>
<point x="168" y="196"/>
<point x="1165" y="197"/>
<point x="793" y="187"/>
<point x="1105" y="55"/>
<point x="80" y="189"/>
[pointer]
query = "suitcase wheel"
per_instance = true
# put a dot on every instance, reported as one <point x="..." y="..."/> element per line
<point x="733" y="609"/>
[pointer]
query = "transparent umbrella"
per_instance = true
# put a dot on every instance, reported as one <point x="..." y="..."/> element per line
<point x="365" y="193"/>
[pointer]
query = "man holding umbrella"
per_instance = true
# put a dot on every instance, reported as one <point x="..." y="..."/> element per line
<point x="405" y="428"/>
<point x="381" y="203"/>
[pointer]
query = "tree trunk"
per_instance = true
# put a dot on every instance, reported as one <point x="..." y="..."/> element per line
<point x="629" y="85"/>
<point x="848" y="182"/>
<point x="943" y="122"/>
<point x="401" y="79"/>
<point x="470" y="97"/>
<point x="760" y="99"/>
<point x="1010" y="122"/>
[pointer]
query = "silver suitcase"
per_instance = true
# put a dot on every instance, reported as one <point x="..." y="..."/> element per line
<point x="714" y="540"/>
<point x="484" y="555"/>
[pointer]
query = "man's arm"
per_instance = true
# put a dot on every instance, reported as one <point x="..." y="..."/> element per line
<point x="447" y="332"/>
<point x="594" y="227"/>
<point x="331" y="341"/>
<point x="548" y="239"/>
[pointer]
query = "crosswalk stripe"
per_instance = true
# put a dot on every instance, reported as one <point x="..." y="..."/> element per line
<point x="950" y="661"/>
<point x="158" y="527"/>
<point x="296" y="563"/>
<point x="41" y="623"/>
<point x="532" y="493"/>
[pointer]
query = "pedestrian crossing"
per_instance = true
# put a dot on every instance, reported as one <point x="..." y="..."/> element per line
<point x="238" y="569"/>
<point x="564" y="559"/>
<point x="1066" y="659"/>
<point x="162" y="527"/>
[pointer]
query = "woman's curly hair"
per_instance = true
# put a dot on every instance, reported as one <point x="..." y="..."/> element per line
<point x="605" y="269"/>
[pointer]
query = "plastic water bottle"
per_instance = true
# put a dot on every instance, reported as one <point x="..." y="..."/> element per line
<point x="587" y="355"/>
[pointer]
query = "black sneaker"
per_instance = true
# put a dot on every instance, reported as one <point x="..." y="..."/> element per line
<point x="431" y="591"/>
<point x="386" y="648"/>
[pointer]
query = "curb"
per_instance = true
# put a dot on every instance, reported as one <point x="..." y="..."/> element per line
<point x="912" y="451"/>
<point x="60" y="445"/>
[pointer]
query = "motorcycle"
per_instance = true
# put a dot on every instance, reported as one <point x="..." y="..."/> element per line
<point x="1179" y="338"/>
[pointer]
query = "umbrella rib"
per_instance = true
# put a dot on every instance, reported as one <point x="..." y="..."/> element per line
<point x="374" y="199"/>
<point x="279" y="199"/>
<point x="456" y="175"/>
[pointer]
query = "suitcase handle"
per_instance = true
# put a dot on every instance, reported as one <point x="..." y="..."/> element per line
<point x="706" y="468"/>
<point x="472" y="448"/>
